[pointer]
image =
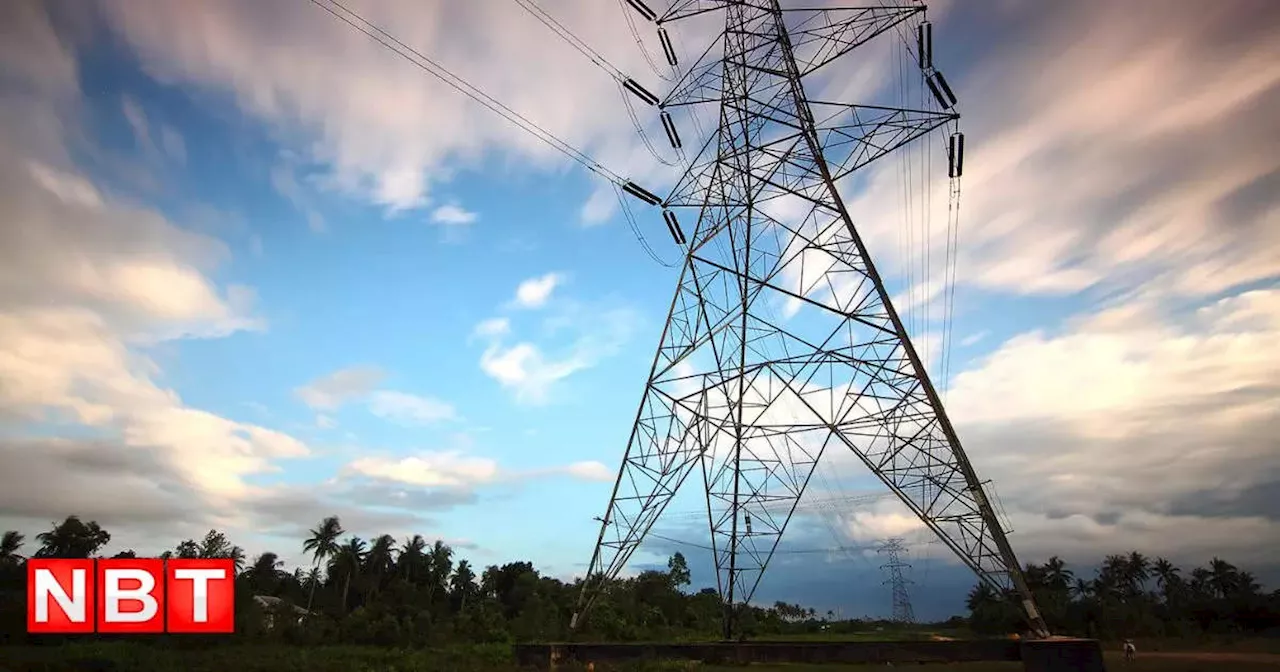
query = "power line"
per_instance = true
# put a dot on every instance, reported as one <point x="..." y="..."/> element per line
<point x="438" y="71"/>
<point x="577" y="43"/>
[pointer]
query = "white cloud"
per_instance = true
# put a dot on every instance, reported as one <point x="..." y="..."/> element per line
<point x="455" y="469"/>
<point x="1112" y="428"/>
<point x="325" y="422"/>
<point x="591" y="471"/>
<point x="359" y="384"/>
<point x="534" y="292"/>
<point x="386" y="129"/>
<point x="452" y="215"/>
<point x="532" y="371"/>
<point x="410" y="408"/>
<point x="438" y="469"/>
<point x="524" y="369"/>
<point x="336" y="389"/>
<point x="86" y="277"/>
<point x="492" y="327"/>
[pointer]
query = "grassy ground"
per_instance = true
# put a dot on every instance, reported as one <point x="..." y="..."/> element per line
<point x="133" y="657"/>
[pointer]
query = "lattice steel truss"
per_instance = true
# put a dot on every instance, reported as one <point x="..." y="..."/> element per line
<point x="749" y="401"/>
<point x="902" y="611"/>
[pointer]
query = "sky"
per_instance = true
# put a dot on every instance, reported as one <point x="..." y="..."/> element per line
<point x="256" y="270"/>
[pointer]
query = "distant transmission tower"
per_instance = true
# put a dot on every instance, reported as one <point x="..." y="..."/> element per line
<point x="745" y="398"/>
<point x="902" y="611"/>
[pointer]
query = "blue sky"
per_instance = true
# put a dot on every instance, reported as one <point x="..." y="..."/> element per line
<point x="250" y="254"/>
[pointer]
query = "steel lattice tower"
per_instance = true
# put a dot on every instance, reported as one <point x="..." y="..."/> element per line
<point x="902" y="611"/>
<point x="750" y="402"/>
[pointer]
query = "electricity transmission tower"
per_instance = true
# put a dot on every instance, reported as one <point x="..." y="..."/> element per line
<point x="902" y="611"/>
<point x="748" y="402"/>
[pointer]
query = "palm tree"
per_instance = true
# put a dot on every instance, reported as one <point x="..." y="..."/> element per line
<point x="1113" y="578"/>
<point x="10" y="544"/>
<point x="236" y="555"/>
<point x="439" y="566"/>
<point x="322" y="544"/>
<point x="1223" y="577"/>
<point x="1137" y="572"/>
<point x="347" y="563"/>
<point x="463" y="582"/>
<point x="1246" y="584"/>
<point x="1166" y="575"/>
<point x="1056" y="574"/>
<point x="380" y="562"/>
<point x="381" y="558"/>
<point x="265" y="572"/>
<point x="411" y="556"/>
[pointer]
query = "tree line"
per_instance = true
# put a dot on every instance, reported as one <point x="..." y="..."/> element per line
<point x="412" y="592"/>
<point x="382" y="591"/>
<point x="1133" y="595"/>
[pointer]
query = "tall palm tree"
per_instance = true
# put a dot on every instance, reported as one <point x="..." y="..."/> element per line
<point x="439" y="563"/>
<point x="1246" y="584"/>
<point x="265" y="572"/>
<point x="379" y="563"/>
<point x="236" y="555"/>
<point x="463" y="583"/>
<point x="1056" y="574"/>
<point x="1223" y="577"/>
<point x="1137" y="571"/>
<point x="1166" y="575"/>
<point x="10" y="544"/>
<point x="346" y="563"/>
<point x="411" y="556"/>
<point x="322" y="544"/>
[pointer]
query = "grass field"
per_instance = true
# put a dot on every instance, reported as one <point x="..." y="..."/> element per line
<point x="132" y="657"/>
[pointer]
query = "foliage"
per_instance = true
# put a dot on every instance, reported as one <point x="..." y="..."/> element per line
<point x="1132" y="595"/>
<point x="421" y="595"/>
<point x="412" y="594"/>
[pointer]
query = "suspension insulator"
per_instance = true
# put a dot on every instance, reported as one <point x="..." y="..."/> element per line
<point x="667" y="47"/>
<point x="941" y="91"/>
<point x="641" y="193"/>
<point x="677" y="234"/>
<point x="641" y="92"/>
<point x="669" y="126"/>
<point x="924" y="44"/>
<point x="644" y="10"/>
<point x="955" y="155"/>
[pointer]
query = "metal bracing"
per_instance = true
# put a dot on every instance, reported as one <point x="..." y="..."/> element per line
<point x="747" y="401"/>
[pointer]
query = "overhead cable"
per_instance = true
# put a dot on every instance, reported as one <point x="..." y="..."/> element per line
<point x="389" y="41"/>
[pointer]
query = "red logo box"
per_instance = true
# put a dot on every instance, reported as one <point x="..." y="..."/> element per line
<point x="59" y="596"/>
<point x="202" y="596"/>
<point x="130" y="596"/>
